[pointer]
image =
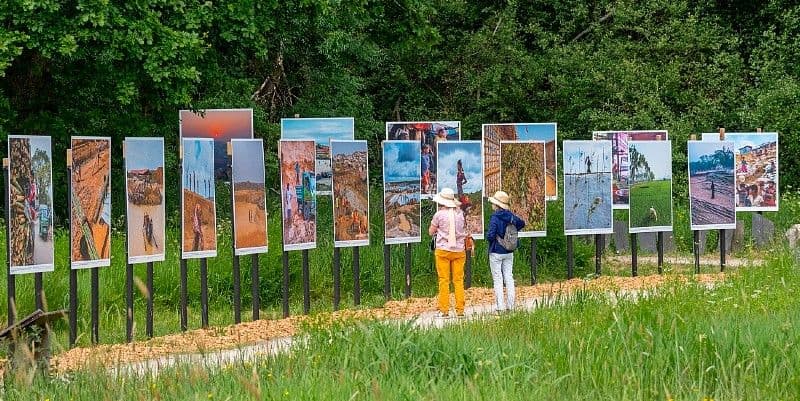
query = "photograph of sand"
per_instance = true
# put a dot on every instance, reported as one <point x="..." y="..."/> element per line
<point x="30" y="216"/>
<point x="90" y="215"/>
<point x="587" y="187"/>
<point x="221" y="125"/>
<point x="620" y="140"/>
<point x="712" y="202"/>
<point x="493" y="134"/>
<point x="198" y="202"/>
<point x="249" y="196"/>
<point x="428" y="133"/>
<point x="650" y="179"/>
<point x="756" y="169"/>
<point x="144" y="186"/>
<point x="401" y="190"/>
<point x="322" y="131"/>
<point x="350" y="193"/>
<point x="298" y="194"/>
<point x="460" y="168"/>
<point x="522" y="176"/>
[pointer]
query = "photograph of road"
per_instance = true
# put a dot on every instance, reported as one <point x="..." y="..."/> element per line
<point x="712" y="202"/>
<point x="144" y="186"/>
<point x="401" y="191"/>
<point x="587" y="187"/>
<point x="522" y="177"/>
<point x="322" y="131"/>
<point x="249" y="196"/>
<point x="620" y="140"/>
<point x="350" y="193"/>
<point x="756" y="169"/>
<point x="90" y="215"/>
<point x="429" y="133"/>
<point x="460" y="168"/>
<point x="221" y="125"/>
<point x="298" y="194"/>
<point x="650" y="175"/>
<point x="198" y="201"/>
<point x="30" y="216"/>
<point x="493" y="134"/>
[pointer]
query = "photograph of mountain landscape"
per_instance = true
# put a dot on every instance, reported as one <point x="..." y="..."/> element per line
<point x="401" y="191"/>
<point x="249" y="196"/>
<point x="199" y="214"/>
<point x="90" y="216"/>
<point x="144" y="188"/>
<point x="322" y="131"/>
<point x="30" y="215"/>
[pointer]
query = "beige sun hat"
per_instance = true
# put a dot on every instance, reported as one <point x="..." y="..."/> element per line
<point x="447" y="198"/>
<point x="500" y="199"/>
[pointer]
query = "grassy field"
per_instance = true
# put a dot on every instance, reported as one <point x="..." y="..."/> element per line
<point x="684" y="342"/>
<point x="655" y="194"/>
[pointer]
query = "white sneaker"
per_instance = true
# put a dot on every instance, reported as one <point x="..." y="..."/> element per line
<point x="441" y="315"/>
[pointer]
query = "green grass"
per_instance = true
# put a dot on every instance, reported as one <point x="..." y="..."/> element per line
<point x="655" y="194"/>
<point x="684" y="342"/>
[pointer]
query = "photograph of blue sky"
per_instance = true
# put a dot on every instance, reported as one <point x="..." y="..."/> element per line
<point x="248" y="158"/>
<point x="536" y="132"/>
<point x="401" y="161"/>
<point x="700" y="148"/>
<point x="144" y="153"/>
<point x="658" y="156"/>
<point x="742" y="139"/>
<point x="347" y="148"/>
<point x="598" y="151"/>
<point x="469" y="152"/>
<point x="198" y="160"/>
<point x="321" y="130"/>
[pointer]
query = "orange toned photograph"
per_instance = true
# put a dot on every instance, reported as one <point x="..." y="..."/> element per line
<point x="221" y="125"/>
<point x="199" y="204"/>
<point x="90" y="219"/>
<point x="249" y="196"/>
<point x="298" y="194"/>
<point x="350" y="193"/>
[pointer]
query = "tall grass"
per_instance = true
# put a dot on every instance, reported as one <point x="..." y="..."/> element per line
<point x="682" y="342"/>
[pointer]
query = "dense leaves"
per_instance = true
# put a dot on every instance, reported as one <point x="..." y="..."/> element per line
<point x="123" y="68"/>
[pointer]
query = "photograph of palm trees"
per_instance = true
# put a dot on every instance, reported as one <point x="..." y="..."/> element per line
<point x="650" y="181"/>
<point x="711" y="185"/>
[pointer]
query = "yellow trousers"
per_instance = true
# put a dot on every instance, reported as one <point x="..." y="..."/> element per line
<point x="448" y="263"/>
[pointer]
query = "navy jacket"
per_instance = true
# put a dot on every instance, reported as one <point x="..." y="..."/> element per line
<point x="497" y="228"/>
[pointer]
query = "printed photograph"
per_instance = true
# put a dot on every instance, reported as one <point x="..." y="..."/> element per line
<point x="493" y="134"/>
<point x="523" y="176"/>
<point x="144" y="186"/>
<point x="650" y="178"/>
<point x="90" y="217"/>
<point x="322" y="131"/>
<point x="249" y="196"/>
<point x="712" y="202"/>
<point x="429" y="134"/>
<point x="221" y="125"/>
<point x="460" y="169"/>
<point x="756" y="169"/>
<point x="620" y="141"/>
<point x="401" y="191"/>
<point x="199" y="217"/>
<point x="298" y="194"/>
<point x="350" y="193"/>
<point x="587" y="187"/>
<point x="30" y="215"/>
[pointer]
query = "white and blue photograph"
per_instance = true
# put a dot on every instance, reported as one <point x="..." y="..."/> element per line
<point x="587" y="187"/>
<point x="461" y="169"/>
<point x="401" y="191"/>
<point x="322" y="131"/>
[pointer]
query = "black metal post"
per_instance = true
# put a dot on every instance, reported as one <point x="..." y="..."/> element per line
<point x="306" y="284"/>
<point x="255" y="286"/>
<point x="468" y="271"/>
<point x="722" y="246"/>
<point x="407" y="268"/>
<point x="237" y="289"/>
<point x="204" y="292"/>
<point x="285" y="284"/>
<point x="337" y="278"/>
<point x="95" y="305"/>
<point x="150" y="296"/>
<point x="570" y="257"/>
<point x="129" y="302"/>
<point x="387" y="273"/>
<point x="660" y="247"/>
<point x="356" y="277"/>
<point x="634" y="258"/>
<point x="184" y="297"/>
<point x="38" y="288"/>
<point x="598" y="254"/>
<point x="73" y="274"/>
<point x="534" y="262"/>
<point x="696" y="250"/>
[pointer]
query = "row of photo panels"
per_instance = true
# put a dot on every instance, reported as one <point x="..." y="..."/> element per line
<point x="319" y="156"/>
